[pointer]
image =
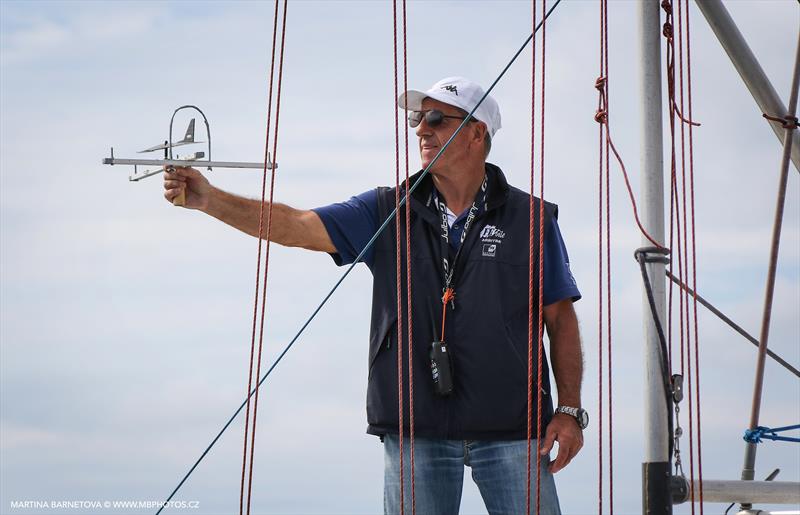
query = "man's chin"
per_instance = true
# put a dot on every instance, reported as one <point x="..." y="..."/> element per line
<point x="427" y="162"/>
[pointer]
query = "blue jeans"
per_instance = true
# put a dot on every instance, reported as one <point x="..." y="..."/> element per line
<point x="498" y="468"/>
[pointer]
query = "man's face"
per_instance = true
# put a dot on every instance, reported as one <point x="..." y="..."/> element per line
<point x="432" y="139"/>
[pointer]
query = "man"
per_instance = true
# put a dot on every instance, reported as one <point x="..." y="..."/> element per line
<point x="470" y="238"/>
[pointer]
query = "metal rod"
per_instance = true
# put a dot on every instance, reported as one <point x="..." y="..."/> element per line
<point x="748" y="470"/>
<point x="773" y="492"/>
<point x="182" y="162"/>
<point x="656" y="497"/>
<point x="733" y="324"/>
<point x="748" y="67"/>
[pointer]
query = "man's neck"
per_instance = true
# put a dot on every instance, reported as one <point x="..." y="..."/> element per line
<point x="459" y="191"/>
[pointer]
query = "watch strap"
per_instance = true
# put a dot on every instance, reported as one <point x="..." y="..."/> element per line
<point x="574" y="413"/>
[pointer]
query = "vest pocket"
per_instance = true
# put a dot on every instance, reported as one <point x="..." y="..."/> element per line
<point x="518" y="326"/>
<point x="386" y="338"/>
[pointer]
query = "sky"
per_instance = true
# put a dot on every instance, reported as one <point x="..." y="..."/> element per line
<point x="125" y="322"/>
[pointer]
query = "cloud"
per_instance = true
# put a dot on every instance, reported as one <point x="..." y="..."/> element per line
<point x="47" y="30"/>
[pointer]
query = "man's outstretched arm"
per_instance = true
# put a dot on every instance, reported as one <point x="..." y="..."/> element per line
<point x="290" y="227"/>
<point x="567" y="359"/>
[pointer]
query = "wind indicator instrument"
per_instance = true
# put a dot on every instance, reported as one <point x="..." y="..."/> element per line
<point x="169" y="161"/>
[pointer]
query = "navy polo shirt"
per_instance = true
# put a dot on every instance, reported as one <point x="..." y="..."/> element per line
<point x="352" y="223"/>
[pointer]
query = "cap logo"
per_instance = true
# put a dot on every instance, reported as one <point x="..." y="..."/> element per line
<point x="451" y="88"/>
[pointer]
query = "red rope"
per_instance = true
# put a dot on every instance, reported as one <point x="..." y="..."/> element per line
<point x="602" y="117"/>
<point x="683" y="265"/>
<point x="247" y="431"/>
<point x="266" y="258"/>
<point x="694" y="261"/>
<point x="604" y="224"/>
<point x="398" y="249"/>
<point x="688" y="321"/>
<point x="531" y="214"/>
<point x="608" y="270"/>
<point x="600" y="199"/>
<point x="408" y="282"/>
<point x="540" y="307"/>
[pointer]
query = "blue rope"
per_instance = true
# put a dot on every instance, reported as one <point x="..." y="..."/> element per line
<point x="760" y="432"/>
<point x="356" y="261"/>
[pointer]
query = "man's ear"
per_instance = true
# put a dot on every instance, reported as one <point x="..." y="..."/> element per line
<point x="479" y="132"/>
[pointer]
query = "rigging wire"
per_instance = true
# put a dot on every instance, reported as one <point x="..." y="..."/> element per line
<point x="683" y="209"/>
<point x="676" y="231"/>
<point x="540" y="262"/>
<point x="600" y="187"/>
<point x="791" y="115"/>
<point x="642" y="257"/>
<point x="398" y="263"/>
<point x="684" y="249"/>
<point x="357" y="260"/>
<point x="604" y="262"/>
<point x="601" y="116"/>
<point x="409" y="325"/>
<point x="730" y="322"/>
<point x="681" y="215"/>
<point x="401" y="312"/>
<point x="248" y="431"/>
<point x="531" y="204"/>
<point x="691" y="125"/>
<point x="540" y="308"/>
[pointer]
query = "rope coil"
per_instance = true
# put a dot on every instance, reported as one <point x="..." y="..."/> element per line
<point x="787" y="121"/>
<point x="756" y="435"/>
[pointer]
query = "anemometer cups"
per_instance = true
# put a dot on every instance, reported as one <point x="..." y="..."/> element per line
<point x="458" y="92"/>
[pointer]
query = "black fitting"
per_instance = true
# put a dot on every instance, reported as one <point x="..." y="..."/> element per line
<point x="642" y="255"/>
<point x="679" y="489"/>
<point x="677" y="388"/>
<point x="656" y="488"/>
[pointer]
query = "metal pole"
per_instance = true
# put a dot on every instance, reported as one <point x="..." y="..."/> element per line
<point x="748" y="492"/>
<point x="733" y="325"/>
<point x="656" y="497"/>
<point x="181" y="162"/>
<point x="747" y="65"/>
<point x="748" y="470"/>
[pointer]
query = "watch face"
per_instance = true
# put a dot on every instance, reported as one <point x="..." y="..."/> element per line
<point x="583" y="418"/>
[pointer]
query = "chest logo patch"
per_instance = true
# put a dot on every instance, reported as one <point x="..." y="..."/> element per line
<point x="491" y="238"/>
<point x="492" y="232"/>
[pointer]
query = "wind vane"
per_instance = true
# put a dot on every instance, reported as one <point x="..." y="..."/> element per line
<point x="169" y="161"/>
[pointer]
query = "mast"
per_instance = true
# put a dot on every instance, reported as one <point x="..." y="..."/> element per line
<point x="656" y="496"/>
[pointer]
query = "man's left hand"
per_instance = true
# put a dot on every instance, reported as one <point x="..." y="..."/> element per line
<point x="563" y="429"/>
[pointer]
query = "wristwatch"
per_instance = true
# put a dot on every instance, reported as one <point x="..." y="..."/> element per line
<point x="579" y="414"/>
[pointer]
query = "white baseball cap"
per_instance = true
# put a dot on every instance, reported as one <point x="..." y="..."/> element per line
<point x="458" y="92"/>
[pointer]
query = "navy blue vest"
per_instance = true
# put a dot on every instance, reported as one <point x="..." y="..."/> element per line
<point x="486" y="333"/>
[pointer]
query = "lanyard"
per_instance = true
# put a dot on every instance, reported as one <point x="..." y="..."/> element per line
<point x="449" y="269"/>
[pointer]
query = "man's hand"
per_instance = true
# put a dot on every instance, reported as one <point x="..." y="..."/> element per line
<point x="567" y="359"/>
<point x="185" y="179"/>
<point x="563" y="429"/>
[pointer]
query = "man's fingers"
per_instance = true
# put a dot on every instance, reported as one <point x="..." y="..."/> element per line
<point x="170" y="194"/>
<point x="170" y="184"/>
<point x="185" y="171"/>
<point x="547" y="444"/>
<point x="173" y="176"/>
<point x="564" y="456"/>
<point x="568" y="448"/>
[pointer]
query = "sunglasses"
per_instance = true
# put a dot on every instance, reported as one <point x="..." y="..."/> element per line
<point x="433" y="118"/>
